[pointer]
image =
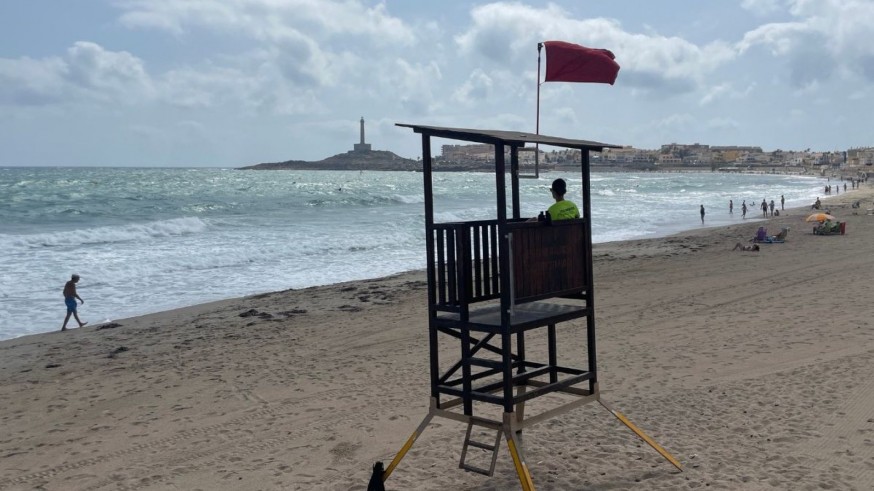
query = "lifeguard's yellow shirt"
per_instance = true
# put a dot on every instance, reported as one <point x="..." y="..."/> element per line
<point x="564" y="210"/>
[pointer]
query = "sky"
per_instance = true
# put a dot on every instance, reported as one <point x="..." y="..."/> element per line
<point x="238" y="82"/>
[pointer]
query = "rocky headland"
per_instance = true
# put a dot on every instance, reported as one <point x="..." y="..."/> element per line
<point x="351" y="160"/>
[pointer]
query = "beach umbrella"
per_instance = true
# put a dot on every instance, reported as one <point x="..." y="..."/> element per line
<point x="819" y="217"/>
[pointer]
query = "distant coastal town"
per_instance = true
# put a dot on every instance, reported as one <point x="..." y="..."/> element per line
<point x="670" y="157"/>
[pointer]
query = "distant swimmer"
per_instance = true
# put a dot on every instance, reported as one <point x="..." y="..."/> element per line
<point x="70" y="296"/>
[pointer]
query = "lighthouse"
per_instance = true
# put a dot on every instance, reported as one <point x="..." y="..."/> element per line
<point x="361" y="146"/>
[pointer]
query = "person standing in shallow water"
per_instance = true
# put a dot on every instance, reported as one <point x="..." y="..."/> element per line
<point x="743" y="209"/>
<point x="765" y="208"/>
<point x="70" y="296"/>
<point x="730" y="207"/>
<point x="702" y="214"/>
<point x="782" y="203"/>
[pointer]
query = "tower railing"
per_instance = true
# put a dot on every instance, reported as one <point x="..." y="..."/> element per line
<point x="547" y="260"/>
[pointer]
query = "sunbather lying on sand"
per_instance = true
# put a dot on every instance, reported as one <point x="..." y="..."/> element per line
<point x="751" y="248"/>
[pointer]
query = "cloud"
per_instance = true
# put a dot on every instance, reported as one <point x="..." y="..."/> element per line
<point x="505" y="34"/>
<point x="87" y="72"/>
<point x="29" y="82"/>
<point x="414" y="85"/>
<point x="723" y="91"/>
<point x="270" y="20"/>
<point x="827" y="38"/>
<point x="475" y="89"/>
<point x="109" y="75"/>
<point x="298" y="48"/>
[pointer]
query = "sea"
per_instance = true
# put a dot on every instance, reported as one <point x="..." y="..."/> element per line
<point x="145" y="240"/>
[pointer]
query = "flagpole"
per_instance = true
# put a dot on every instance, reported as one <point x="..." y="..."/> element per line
<point x="537" y="129"/>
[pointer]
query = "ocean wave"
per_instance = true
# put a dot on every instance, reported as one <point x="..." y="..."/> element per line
<point x="106" y="235"/>
<point x="410" y="199"/>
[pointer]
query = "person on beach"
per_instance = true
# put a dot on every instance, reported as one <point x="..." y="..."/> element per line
<point x="771" y="205"/>
<point x="702" y="214"/>
<point x="730" y="207"/>
<point x="782" y="203"/>
<point x="743" y="209"/>
<point x="748" y="248"/>
<point x="765" y="208"/>
<point x="562" y="209"/>
<point x="70" y="296"/>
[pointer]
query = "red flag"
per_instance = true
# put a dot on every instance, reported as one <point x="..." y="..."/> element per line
<point x="566" y="62"/>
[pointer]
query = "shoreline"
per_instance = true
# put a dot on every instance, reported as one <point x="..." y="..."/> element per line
<point x="725" y="358"/>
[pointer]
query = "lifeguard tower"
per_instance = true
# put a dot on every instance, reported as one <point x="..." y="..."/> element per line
<point x="491" y="283"/>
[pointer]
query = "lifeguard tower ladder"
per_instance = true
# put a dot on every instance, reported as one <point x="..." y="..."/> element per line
<point x="492" y="281"/>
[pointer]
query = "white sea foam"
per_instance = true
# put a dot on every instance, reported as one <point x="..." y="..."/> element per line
<point x="104" y="235"/>
<point x="145" y="240"/>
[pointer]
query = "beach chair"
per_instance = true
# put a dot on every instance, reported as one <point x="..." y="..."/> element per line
<point x="828" y="228"/>
<point x="776" y="239"/>
<point x="781" y="237"/>
<point x="761" y="235"/>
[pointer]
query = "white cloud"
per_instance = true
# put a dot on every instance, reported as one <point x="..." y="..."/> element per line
<point x="87" y="72"/>
<point x="271" y="20"/>
<point x="26" y="81"/>
<point x="723" y="91"/>
<point x="827" y="38"/>
<point x="206" y="86"/>
<point x="414" y="85"/>
<point x="475" y="89"/>
<point x="110" y="75"/>
<point x="304" y="47"/>
<point x="508" y="33"/>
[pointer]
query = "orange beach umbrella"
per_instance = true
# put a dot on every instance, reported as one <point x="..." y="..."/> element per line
<point x="819" y="217"/>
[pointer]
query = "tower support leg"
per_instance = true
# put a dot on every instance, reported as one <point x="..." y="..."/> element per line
<point x="643" y="436"/>
<point x="410" y="441"/>
<point x="515" y="446"/>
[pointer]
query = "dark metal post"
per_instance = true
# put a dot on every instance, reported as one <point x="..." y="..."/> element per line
<point x="553" y="353"/>
<point x="432" y="275"/>
<point x="514" y="179"/>
<point x="504" y="273"/>
<point x="537" y="128"/>
<point x="590" y="277"/>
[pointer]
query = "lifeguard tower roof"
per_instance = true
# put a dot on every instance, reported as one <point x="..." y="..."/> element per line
<point x="513" y="138"/>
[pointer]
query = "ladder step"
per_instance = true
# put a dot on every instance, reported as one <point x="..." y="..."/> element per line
<point x="478" y="470"/>
<point x="484" y="446"/>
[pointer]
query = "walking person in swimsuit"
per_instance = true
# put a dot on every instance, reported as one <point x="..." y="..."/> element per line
<point x="70" y="297"/>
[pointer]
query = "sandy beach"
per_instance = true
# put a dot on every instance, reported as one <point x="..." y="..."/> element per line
<point x="755" y="370"/>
